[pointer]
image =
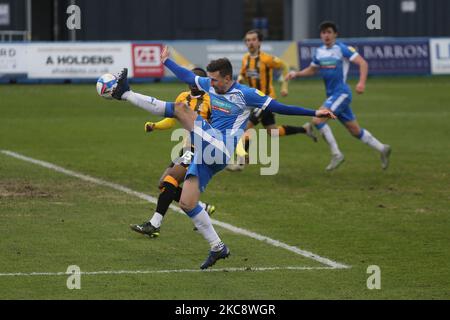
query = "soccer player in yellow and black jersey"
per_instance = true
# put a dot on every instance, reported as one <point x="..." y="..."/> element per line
<point x="173" y="176"/>
<point x="257" y="71"/>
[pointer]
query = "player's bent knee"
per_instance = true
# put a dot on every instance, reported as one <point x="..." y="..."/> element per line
<point x="355" y="131"/>
<point x="187" y="205"/>
<point x="317" y="121"/>
<point x="356" y="134"/>
<point x="178" y="172"/>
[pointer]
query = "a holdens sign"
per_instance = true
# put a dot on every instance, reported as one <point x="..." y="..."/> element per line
<point x="385" y="56"/>
<point x="80" y="60"/>
<point x="76" y="60"/>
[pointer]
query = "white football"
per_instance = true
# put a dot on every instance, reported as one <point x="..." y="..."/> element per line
<point x="105" y="85"/>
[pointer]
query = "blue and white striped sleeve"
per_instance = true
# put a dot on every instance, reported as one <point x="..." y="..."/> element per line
<point x="348" y="51"/>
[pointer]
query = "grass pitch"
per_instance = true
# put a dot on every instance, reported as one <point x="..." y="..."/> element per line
<point x="357" y="215"/>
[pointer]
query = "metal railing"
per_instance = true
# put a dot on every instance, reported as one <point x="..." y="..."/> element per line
<point x="11" y="35"/>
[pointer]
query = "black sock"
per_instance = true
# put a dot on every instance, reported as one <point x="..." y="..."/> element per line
<point x="247" y="145"/>
<point x="293" y="130"/>
<point x="167" y="195"/>
<point x="178" y="194"/>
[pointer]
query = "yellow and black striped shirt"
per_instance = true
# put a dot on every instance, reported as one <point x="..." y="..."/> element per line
<point x="258" y="71"/>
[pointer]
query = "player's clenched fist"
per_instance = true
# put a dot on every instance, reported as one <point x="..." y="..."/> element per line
<point x="360" y="87"/>
<point x="291" y="75"/>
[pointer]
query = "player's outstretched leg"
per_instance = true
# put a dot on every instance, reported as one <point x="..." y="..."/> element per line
<point x="337" y="157"/>
<point x="122" y="91"/>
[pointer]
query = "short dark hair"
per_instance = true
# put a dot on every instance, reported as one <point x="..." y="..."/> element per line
<point x="199" y="72"/>
<point x="257" y="32"/>
<point x="223" y="65"/>
<point x="328" y="24"/>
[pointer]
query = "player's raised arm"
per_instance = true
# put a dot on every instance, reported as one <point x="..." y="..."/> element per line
<point x="363" y="72"/>
<point x="241" y="76"/>
<point x="181" y="73"/>
<point x="284" y="83"/>
<point x="277" y="63"/>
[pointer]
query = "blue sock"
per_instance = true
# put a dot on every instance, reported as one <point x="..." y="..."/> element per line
<point x="320" y="125"/>
<point x="192" y="213"/>
<point x="170" y="110"/>
<point x="361" y="134"/>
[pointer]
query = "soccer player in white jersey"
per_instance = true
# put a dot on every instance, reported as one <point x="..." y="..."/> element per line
<point x="231" y="104"/>
<point x="333" y="61"/>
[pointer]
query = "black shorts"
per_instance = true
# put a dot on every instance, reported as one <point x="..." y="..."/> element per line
<point x="267" y="118"/>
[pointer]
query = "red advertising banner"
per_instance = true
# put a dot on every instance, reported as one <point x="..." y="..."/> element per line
<point x="147" y="61"/>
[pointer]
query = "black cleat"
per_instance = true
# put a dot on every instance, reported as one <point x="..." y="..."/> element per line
<point x="146" y="229"/>
<point x="122" y="85"/>
<point x="214" y="256"/>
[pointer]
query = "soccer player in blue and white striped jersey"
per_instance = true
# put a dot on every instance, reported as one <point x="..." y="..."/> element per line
<point x="332" y="60"/>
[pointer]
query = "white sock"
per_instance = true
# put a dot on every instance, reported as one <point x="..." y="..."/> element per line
<point x="202" y="204"/>
<point x="328" y="136"/>
<point x="150" y="104"/>
<point x="156" y="220"/>
<point x="205" y="227"/>
<point x="370" y="140"/>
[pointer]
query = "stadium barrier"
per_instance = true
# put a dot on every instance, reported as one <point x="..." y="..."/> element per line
<point x="85" y="61"/>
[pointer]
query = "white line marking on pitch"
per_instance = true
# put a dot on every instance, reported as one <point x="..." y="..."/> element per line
<point x="118" y="187"/>
<point x="115" y="272"/>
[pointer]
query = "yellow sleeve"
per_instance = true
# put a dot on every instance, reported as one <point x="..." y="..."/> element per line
<point x="165" y="124"/>
<point x="242" y="73"/>
<point x="244" y="59"/>
<point x="205" y="112"/>
<point x="277" y="63"/>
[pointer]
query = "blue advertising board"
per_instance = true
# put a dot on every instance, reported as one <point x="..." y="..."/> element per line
<point x="385" y="56"/>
